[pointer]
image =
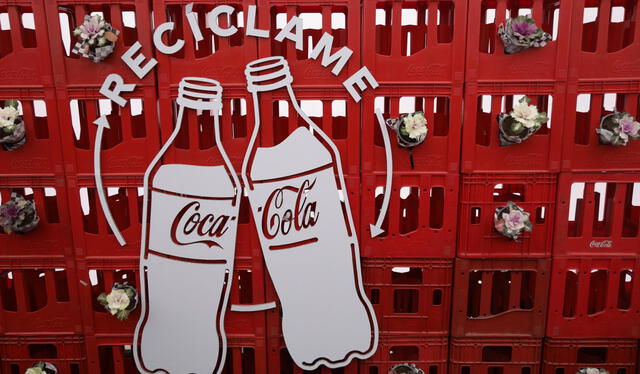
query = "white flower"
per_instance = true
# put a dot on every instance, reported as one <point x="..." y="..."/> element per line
<point x="515" y="220"/>
<point x="34" y="370"/>
<point x="525" y="114"/>
<point x="9" y="113"/>
<point x="592" y="371"/>
<point x="117" y="300"/>
<point x="415" y="125"/>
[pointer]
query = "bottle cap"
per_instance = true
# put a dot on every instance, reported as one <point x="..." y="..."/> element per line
<point x="200" y="93"/>
<point x="268" y="74"/>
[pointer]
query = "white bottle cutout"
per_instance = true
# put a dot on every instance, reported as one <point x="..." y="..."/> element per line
<point x="307" y="235"/>
<point x="190" y="218"/>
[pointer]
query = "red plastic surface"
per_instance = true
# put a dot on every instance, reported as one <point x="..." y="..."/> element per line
<point x="220" y="58"/>
<point x="595" y="297"/>
<point x="488" y="355"/>
<point x="414" y="41"/>
<point x="248" y="287"/>
<point x="598" y="214"/>
<point x="279" y="361"/>
<point x="498" y="298"/>
<point x="39" y="295"/>
<point x="111" y="354"/>
<point x="51" y="239"/>
<point x="486" y="59"/>
<point x="481" y="149"/>
<point x="409" y="296"/>
<point x="420" y="221"/>
<point x="25" y="58"/>
<point x="63" y="16"/>
<point x="65" y="351"/>
<point x="570" y="355"/>
<point x="483" y="193"/>
<point x="429" y="354"/>
<point x="604" y="45"/>
<point x="127" y="146"/>
<point x="338" y="18"/>
<point x="41" y="153"/>
<point x="442" y="106"/>
<point x="586" y="104"/>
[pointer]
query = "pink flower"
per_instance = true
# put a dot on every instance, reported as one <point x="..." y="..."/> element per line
<point x="514" y="220"/>
<point x="499" y="225"/>
<point x="629" y="125"/>
<point x="524" y="28"/>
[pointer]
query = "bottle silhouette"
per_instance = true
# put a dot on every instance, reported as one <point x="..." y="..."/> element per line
<point x="188" y="243"/>
<point x="307" y="234"/>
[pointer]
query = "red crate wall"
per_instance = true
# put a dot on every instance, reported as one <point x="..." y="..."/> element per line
<point x="587" y="102"/>
<point x="279" y="361"/>
<point x="500" y="298"/>
<point x="409" y="296"/>
<point x="65" y="351"/>
<point x="25" y="58"/>
<point x="482" y="193"/>
<point x="486" y="60"/>
<point x="570" y="355"/>
<point x="415" y="41"/>
<point x="420" y="221"/>
<point x="594" y="297"/>
<point x="429" y="354"/>
<point x="442" y="106"/>
<point x="598" y="214"/>
<point x="488" y="355"/>
<point x="481" y="149"/>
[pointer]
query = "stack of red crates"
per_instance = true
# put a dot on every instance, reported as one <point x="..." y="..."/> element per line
<point x="595" y="302"/>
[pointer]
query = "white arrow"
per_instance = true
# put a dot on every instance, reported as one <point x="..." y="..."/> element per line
<point x="103" y="123"/>
<point x="377" y="228"/>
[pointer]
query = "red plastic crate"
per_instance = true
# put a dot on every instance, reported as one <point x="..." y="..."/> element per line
<point x="127" y="147"/>
<point x="481" y="149"/>
<point x="594" y="297"/>
<point x="604" y="45"/>
<point x="421" y="218"/>
<point x="338" y="18"/>
<point x="491" y="355"/>
<point x="486" y="59"/>
<point x="99" y="276"/>
<point x="220" y="58"/>
<point x="411" y="41"/>
<point x="92" y="235"/>
<point x="483" y="193"/>
<point x="410" y="296"/>
<point x="501" y="298"/>
<point x="64" y="16"/>
<point x="52" y="238"/>
<point x="38" y="295"/>
<point x="66" y="352"/>
<point x="586" y="104"/>
<point x="442" y="106"/>
<point x="570" y="355"/>
<point x="41" y="153"/>
<point x="598" y="214"/>
<point x="429" y="354"/>
<point x="248" y="287"/>
<point x="111" y="354"/>
<point x="332" y="110"/>
<point x="24" y="44"/>
<point x="279" y="361"/>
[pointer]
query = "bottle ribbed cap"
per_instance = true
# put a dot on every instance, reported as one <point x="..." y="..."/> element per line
<point x="268" y="74"/>
<point x="200" y="93"/>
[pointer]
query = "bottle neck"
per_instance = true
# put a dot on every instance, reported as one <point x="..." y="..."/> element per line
<point x="268" y="74"/>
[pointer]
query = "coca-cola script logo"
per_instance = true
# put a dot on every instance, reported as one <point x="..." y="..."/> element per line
<point x="277" y="219"/>
<point x="190" y="227"/>
<point x="601" y="244"/>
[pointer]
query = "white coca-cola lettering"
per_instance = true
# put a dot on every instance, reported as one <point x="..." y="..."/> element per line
<point x="278" y="220"/>
<point x="206" y="227"/>
<point x="601" y="244"/>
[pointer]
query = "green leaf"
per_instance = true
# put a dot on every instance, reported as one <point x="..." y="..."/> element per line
<point x="102" y="299"/>
<point x="122" y="315"/>
<point x="13" y="103"/>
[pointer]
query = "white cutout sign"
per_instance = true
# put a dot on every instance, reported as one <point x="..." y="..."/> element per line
<point x="190" y="217"/>
<point x="307" y="235"/>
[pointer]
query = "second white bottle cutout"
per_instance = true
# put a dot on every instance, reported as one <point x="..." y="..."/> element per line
<point x="307" y="234"/>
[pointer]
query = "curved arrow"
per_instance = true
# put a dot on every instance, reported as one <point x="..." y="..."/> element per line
<point x="377" y="228"/>
<point x="103" y="123"/>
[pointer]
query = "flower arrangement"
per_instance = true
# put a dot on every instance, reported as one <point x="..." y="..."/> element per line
<point x="122" y="299"/>
<point x="521" y="33"/>
<point x="97" y="38"/>
<point x="592" y="371"/>
<point x="405" y="369"/>
<point x="522" y="122"/>
<point x="411" y="130"/>
<point x="12" y="131"/>
<point x="511" y="220"/>
<point x="618" y="128"/>
<point x="42" y="367"/>
<point x="18" y="215"/>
